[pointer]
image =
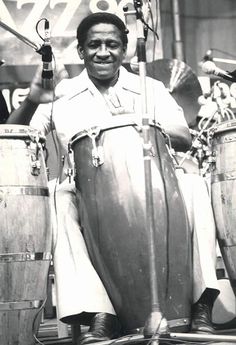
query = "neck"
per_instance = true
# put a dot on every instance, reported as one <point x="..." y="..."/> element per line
<point x="103" y="85"/>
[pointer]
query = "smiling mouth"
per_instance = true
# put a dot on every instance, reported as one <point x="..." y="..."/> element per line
<point x="103" y="62"/>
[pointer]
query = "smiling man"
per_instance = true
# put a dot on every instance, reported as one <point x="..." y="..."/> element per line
<point x="103" y="50"/>
<point x="103" y="90"/>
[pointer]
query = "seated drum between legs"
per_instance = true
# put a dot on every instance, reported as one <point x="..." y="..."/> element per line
<point x="113" y="217"/>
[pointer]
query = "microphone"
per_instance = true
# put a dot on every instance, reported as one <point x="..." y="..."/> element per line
<point x="46" y="51"/>
<point x="207" y="56"/>
<point x="209" y="67"/>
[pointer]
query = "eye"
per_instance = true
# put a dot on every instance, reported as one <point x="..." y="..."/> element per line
<point x="113" y="44"/>
<point x="93" y="44"/>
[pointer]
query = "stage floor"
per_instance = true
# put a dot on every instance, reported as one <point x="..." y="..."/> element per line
<point x="48" y="335"/>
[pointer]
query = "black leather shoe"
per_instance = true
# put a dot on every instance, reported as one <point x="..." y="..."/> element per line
<point x="201" y="319"/>
<point x="103" y="327"/>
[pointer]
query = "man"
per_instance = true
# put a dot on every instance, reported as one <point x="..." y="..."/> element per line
<point x="4" y="113"/>
<point x="3" y="109"/>
<point x="103" y="89"/>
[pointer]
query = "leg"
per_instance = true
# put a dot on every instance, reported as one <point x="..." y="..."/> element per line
<point x="79" y="289"/>
<point x="205" y="284"/>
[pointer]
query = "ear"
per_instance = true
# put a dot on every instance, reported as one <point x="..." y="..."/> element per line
<point x="124" y="51"/>
<point x="80" y="52"/>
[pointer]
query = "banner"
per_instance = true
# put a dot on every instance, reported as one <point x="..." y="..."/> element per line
<point x="64" y="17"/>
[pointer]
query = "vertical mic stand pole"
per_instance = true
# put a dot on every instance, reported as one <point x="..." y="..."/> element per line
<point x="156" y="323"/>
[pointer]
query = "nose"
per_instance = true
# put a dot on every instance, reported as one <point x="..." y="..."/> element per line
<point x="103" y="52"/>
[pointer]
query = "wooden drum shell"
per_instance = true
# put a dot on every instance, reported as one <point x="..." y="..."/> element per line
<point x="26" y="234"/>
<point x="223" y="187"/>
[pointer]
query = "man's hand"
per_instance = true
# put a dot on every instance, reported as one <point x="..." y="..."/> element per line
<point x="37" y="93"/>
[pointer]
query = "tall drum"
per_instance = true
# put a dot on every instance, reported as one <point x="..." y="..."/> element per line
<point x="223" y="186"/>
<point x="25" y="234"/>
<point x="110" y="179"/>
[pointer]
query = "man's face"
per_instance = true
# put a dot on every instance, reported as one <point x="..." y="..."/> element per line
<point x="103" y="52"/>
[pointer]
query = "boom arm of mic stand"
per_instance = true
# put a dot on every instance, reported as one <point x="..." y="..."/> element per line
<point x="22" y="38"/>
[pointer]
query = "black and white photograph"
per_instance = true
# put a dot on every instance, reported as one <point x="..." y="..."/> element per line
<point x="117" y="170"/>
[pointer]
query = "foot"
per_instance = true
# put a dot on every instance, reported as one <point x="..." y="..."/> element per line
<point x="201" y="319"/>
<point x="103" y="327"/>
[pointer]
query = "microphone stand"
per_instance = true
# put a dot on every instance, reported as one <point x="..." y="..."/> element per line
<point x="44" y="50"/>
<point x="155" y="324"/>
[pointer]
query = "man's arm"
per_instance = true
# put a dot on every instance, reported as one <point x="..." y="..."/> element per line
<point x="24" y="113"/>
<point x="170" y="115"/>
<point x="37" y="95"/>
<point x="4" y="114"/>
<point x="180" y="137"/>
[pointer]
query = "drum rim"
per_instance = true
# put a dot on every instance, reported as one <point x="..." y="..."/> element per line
<point x="118" y="121"/>
<point x="225" y="126"/>
<point x="20" y="131"/>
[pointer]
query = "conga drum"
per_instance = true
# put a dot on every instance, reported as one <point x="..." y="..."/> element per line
<point x="113" y="219"/>
<point x="223" y="186"/>
<point x="25" y="231"/>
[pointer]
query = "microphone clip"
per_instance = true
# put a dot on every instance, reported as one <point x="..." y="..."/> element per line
<point x="46" y="51"/>
<point x="138" y="4"/>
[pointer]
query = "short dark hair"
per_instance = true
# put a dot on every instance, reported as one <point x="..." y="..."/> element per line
<point x="97" y="18"/>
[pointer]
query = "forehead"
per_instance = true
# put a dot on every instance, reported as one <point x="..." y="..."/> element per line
<point x="103" y="31"/>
